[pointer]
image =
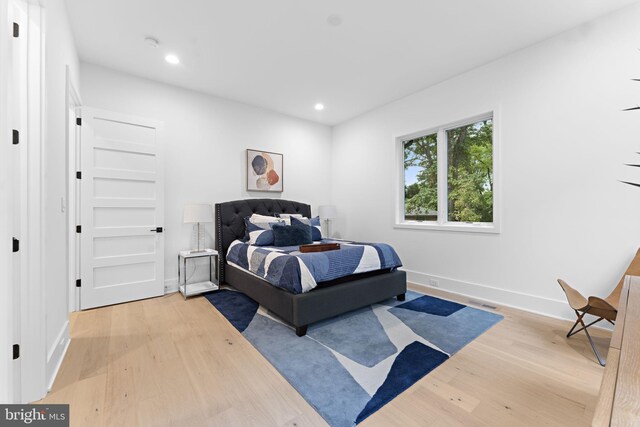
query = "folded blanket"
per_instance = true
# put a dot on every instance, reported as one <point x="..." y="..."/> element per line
<point x="296" y="272"/>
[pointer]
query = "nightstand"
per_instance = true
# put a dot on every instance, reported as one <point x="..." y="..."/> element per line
<point x="191" y="289"/>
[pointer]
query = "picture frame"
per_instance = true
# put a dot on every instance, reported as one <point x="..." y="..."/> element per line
<point x="265" y="171"/>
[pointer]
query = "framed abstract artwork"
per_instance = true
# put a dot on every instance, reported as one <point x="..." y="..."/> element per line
<point x="264" y="171"/>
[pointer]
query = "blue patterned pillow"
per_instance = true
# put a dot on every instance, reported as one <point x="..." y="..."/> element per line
<point x="292" y="235"/>
<point x="259" y="234"/>
<point x="316" y="228"/>
<point x="246" y="229"/>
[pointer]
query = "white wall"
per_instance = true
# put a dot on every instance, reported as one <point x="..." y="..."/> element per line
<point x="60" y="53"/>
<point x="205" y="142"/>
<point x="564" y="140"/>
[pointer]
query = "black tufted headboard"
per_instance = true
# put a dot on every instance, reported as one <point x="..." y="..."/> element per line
<point x="230" y="220"/>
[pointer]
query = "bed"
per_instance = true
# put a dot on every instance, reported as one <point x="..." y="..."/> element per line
<point x="327" y="300"/>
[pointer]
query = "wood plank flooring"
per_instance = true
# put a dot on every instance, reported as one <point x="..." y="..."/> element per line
<point x="166" y="361"/>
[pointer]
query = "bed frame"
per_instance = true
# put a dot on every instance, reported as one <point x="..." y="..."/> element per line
<point x="300" y="310"/>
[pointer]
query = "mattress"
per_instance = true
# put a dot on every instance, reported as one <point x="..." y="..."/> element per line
<point x="297" y="272"/>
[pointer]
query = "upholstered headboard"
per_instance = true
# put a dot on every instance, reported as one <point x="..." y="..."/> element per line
<point x="230" y="220"/>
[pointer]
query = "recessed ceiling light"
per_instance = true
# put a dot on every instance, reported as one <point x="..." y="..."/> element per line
<point x="334" y="20"/>
<point x="319" y="107"/>
<point x="172" y="59"/>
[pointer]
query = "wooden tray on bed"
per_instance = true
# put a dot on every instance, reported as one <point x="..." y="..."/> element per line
<point x="320" y="247"/>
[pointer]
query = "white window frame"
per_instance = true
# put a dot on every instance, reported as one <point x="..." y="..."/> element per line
<point x="443" y="224"/>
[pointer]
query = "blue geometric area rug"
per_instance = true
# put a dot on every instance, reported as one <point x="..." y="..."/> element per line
<point x="349" y="366"/>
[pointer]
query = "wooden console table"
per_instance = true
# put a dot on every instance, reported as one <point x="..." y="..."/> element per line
<point x="619" y="401"/>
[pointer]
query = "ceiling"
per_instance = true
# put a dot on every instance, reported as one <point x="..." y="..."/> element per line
<point x="284" y="55"/>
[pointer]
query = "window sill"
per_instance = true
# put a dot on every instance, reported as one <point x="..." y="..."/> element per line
<point x="459" y="227"/>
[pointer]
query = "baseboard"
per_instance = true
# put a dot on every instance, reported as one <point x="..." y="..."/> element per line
<point x="170" y="286"/>
<point x="56" y="354"/>
<point x="557" y="309"/>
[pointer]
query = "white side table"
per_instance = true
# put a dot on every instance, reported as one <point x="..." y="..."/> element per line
<point x="191" y="289"/>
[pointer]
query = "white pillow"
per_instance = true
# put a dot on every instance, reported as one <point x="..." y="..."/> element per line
<point x="287" y="217"/>
<point x="283" y="215"/>
<point x="257" y="219"/>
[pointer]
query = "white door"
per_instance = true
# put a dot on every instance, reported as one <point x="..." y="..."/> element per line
<point x="122" y="209"/>
<point x="13" y="120"/>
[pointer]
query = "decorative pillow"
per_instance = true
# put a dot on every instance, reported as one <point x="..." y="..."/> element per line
<point x="260" y="234"/>
<point x="258" y="219"/>
<point x="255" y="227"/>
<point x="287" y="217"/>
<point x="291" y="235"/>
<point x="316" y="228"/>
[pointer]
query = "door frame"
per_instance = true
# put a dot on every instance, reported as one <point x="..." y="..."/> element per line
<point x="33" y="354"/>
<point x="73" y="102"/>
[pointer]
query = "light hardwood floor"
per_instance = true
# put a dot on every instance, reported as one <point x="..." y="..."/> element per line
<point x="166" y="361"/>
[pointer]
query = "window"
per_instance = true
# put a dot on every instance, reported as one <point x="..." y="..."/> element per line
<point x="448" y="177"/>
<point x="421" y="178"/>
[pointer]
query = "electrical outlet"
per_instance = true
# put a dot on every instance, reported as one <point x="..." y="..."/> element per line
<point x="434" y="283"/>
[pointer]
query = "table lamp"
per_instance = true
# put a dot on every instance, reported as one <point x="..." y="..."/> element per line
<point x="197" y="214"/>
<point x="327" y="212"/>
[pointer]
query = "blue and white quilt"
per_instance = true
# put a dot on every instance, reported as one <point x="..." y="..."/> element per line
<point x="297" y="272"/>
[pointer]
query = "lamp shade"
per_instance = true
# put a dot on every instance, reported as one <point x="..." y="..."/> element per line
<point x="327" y="212"/>
<point x="198" y="213"/>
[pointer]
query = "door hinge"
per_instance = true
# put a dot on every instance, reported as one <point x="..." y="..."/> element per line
<point x="16" y="245"/>
<point x="16" y="351"/>
<point x="16" y="30"/>
<point x="78" y="175"/>
<point x="16" y="137"/>
<point x="78" y="283"/>
<point x="78" y="229"/>
<point x="79" y="121"/>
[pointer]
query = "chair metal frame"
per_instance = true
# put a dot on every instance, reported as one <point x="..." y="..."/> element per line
<point x="580" y="321"/>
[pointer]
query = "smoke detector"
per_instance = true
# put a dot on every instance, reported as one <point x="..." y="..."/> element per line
<point x="151" y="41"/>
<point x="334" y="20"/>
